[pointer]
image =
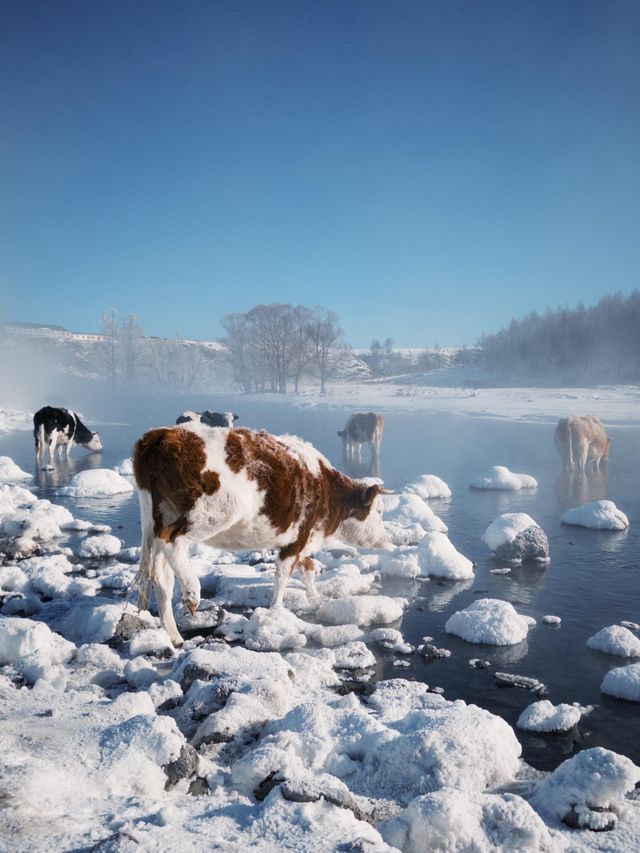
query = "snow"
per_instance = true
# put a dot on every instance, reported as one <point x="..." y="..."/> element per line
<point x="125" y="468"/>
<point x="10" y="471"/>
<point x="360" y="610"/>
<point x="96" y="483"/>
<point x="499" y="477"/>
<point x="623" y="682"/>
<point x="551" y="620"/>
<point x="600" y="515"/>
<point x="489" y="620"/>
<point x="103" y="545"/>
<point x="544" y="716"/>
<point x="439" y="558"/>
<point x="14" y="419"/>
<point x="428" y="486"/>
<point x="593" y="779"/>
<point x="33" y="648"/>
<point x="506" y="527"/>
<point x="151" y="641"/>
<point x="615" y="640"/>
<point x="407" y="508"/>
<point x="453" y="820"/>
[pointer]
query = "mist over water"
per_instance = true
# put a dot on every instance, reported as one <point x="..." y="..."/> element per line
<point x="591" y="582"/>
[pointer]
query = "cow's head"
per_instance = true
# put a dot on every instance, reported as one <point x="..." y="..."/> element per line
<point x="363" y="527"/>
<point x="94" y="443"/>
<point x="342" y="433"/>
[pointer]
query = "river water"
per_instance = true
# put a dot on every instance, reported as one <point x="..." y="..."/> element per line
<point x="593" y="579"/>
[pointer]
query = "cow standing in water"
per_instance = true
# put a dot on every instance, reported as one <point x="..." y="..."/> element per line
<point x="241" y="489"/>
<point x="580" y="440"/>
<point x="54" y="427"/>
<point x="362" y="429"/>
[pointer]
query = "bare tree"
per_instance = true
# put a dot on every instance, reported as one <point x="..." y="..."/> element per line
<point x="326" y="339"/>
<point x="131" y="339"/>
<point x="301" y="350"/>
<point x="110" y="329"/>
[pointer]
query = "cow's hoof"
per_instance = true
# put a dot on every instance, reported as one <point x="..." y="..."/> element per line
<point x="177" y="640"/>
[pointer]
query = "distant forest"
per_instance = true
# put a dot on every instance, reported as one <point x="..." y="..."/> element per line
<point x="597" y="344"/>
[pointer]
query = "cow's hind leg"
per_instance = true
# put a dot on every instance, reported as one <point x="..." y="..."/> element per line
<point x="176" y="554"/>
<point x="285" y="565"/>
<point x="307" y="571"/>
<point x="163" y="585"/>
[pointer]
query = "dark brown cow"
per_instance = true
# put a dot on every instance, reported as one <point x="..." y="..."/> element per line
<point x="362" y="428"/>
<point x="580" y="440"/>
<point x="237" y="489"/>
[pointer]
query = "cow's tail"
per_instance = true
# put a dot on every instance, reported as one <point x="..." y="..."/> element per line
<point x="144" y="576"/>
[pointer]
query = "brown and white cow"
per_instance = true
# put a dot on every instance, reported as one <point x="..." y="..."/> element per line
<point x="580" y="440"/>
<point x="237" y="489"/>
<point x="362" y="428"/>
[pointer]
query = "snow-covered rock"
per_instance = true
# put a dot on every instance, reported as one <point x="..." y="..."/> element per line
<point x="616" y="640"/>
<point x="125" y="468"/>
<point x="439" y="558"/>
<point x="96" y="483"/>
<point x="586" y="791"/>
<point x="601" y="515"/>
<point x="544" y="716"/>
<point x="623" y="682"/>
<point x="151" y="641"/>
<point x="489" y="620"/>
<point x="103" y="545"/>
<point x="27" y="523"/>
<point x="499" y="477"/>
<point x="391" y="639"/>
<point x="33" y="648"/>
<point x="10" y="471"/>
<point x="456" y="821"/>
<point x="400" y="563"/>
<point x="360" y="610"/>
<point x="273" y="629"/>
<point x="515" y="536"/>
<point x="428" y="486"/>
<point x="549" y="619"/>
<point x="407" y="508"/>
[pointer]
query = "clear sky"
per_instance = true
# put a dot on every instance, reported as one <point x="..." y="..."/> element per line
<point x="426" y="169"/>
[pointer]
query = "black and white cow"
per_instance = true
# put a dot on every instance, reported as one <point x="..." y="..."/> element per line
<point x="62" y="428"/>
<point x="212" y="419"/>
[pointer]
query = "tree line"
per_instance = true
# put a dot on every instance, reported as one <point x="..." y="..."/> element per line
<point x="599" y="343"/>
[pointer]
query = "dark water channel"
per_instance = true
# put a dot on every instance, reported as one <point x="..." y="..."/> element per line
<point x="593" y="579"/>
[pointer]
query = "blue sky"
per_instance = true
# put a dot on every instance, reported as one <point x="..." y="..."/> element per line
<point x="428" y="170"/>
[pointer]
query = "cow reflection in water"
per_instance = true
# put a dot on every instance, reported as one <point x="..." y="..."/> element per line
<point x="357" y="469"/>
<point x="575" y="487"/>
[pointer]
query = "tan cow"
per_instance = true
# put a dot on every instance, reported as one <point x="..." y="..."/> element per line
<point x="581" y="440"/>
<point x="362" y="428"/>
<point x="240" y="489"/>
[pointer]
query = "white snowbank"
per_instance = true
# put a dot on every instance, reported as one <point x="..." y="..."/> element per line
<point x="33" y="648"/>
<point x="489" y="620"/>
<point x="455" y="821"/>
<point x="506" y="527"/>
<point x="601" y="515"/>
<point x="360" y="610"/>
<point x="103" y="545"/>
<point x="499" y="477"/>
<point x="616" y="640"/>
<point x="623" y="682"/>
<point x="10" y="471"/>
<point x="439" y="558"/>
<point x="96" y="483"/>
<point x="543" y="716"/>
<point x="593" y="779"/>
<point x="429" y="486"/>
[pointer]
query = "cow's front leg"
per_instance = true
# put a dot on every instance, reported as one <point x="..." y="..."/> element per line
<point x="176" y="554"/>
<point x="307" y="570"/>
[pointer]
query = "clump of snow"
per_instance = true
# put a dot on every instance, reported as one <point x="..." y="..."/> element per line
<point x="103" y="545"/>
<point x="354" y="655"/>
<point x="49" y="575"/>
<point x="428" y="486"/>
<point x="543" y="716"/>
<point x="615" y="640"/>
<point x="439" y="558"/>
<point x="601" y="515"/>
<point x="551" y="620"/>
<point x="499" y="477"/>
<point x="10" y="471"/>
<point x="274" y="629"/>
<point x="408" y="508"/>
<point x="90" y="620"/>
<point x="26" y="522"/>
<point x="360" y="610"/>
<point x="150" y="641"/>
<point x="489" y="620"/>
<point x="399" y="564"/>
<point x="33" y="648"/>
<point x="588" y="789"/>
<point x="391" y="639"/>
<point x="96" y="483"/>
<point x="623" y="682"/>
<point x="96" y="663"/>
<point x="125" y="468"/>
<point x="453" y="820"/>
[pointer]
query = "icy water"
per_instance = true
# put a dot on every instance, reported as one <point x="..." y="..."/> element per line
<point x="593" y="579"/>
